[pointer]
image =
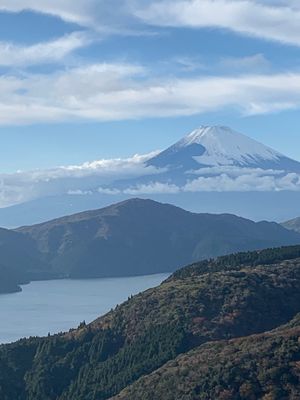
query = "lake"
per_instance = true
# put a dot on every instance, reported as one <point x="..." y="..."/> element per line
<point x="58" y="305"/>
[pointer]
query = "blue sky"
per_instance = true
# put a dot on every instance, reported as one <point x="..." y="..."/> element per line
<point x="92" y="79"/>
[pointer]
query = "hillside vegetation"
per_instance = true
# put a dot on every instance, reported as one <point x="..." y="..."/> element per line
<point x="196" y="315"/>
<point x="264" y="366"/>
<point x="20" y="261"/>
<point x="139" y="237"/>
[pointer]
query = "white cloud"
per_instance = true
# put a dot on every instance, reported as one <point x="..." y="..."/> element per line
<point x="253" y="63"/>
<point x="119" y="91"/>
<point x="48" y="52"/>
<point x="235" y="171"/>
<point x="187" y="64"/>
<point x="153" y="188"/>
<point x="268" y="19"/>
<point x="223" y="179"/>
<point x="80" y="192"/>
<point x="102" y="176"/>
<point x="108" y="191"/>
<point x="118" y="167"/>
<point x="107" y="92"/>
<point x="244" y="181"/>
<point x="76" y="179"/>
<point x="79" y="11"/>
<point x="278" y="22"/>
<point x="107" y="17"/>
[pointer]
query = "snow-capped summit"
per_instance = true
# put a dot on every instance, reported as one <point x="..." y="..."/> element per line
<point x="223" y="146"/>
<point x="211" y="146"/>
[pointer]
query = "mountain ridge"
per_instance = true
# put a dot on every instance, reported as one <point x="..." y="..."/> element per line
<point x="133" y="237"/>
<point x="139" y="237"/>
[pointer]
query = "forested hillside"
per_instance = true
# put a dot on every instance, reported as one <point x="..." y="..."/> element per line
<point x="264" y="366"/>
<point x="197" y="312"/>
<point x="20" y="261"/>
<point x="139" y="237"/>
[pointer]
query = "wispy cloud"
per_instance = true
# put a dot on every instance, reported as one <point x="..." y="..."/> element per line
<point x="269" y="19"/>
<point x="12" y="55"/>
<point x="188" y="64"/>
<point x="111" y="17"/>
<point x="79" y="11"/>
<point x="256" y="62"/>
<point x="107" y="92"/>
<point x="121" y="90"/>
<point x="279" y="22"/>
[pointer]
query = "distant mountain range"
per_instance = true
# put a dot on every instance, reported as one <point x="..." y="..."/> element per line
<point x="223" y="329"/>
<point x="134" y="237"/>
<point x="213" y="169"/>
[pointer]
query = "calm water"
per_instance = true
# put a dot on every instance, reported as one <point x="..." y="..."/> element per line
<point x="54" y="306"/>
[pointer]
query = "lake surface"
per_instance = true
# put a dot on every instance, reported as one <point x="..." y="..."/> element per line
<point x="58" y="305"/>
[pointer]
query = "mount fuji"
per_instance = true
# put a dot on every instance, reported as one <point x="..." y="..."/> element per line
<point x="212" y="169"/>
<point x="215" y="158"/>
<point x="216" y="146"/>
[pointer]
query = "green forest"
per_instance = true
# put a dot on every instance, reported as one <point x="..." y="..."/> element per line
<point x="193" y="333"/>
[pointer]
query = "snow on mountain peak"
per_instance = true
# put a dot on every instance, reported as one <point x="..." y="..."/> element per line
<point x="223" y="146"/>
<point x="202" y="132"/>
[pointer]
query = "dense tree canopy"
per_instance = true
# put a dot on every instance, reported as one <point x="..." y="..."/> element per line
<point x="194" y="315"/>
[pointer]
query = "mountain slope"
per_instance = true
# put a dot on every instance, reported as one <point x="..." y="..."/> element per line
<point x="212" y="146"/>
<point x="20" y="261"/>
<point x="214" y="158"/>
<point x="293" y="224"/>
<point x="10" y="280"/>
<point x="195" y="310"/>
<point x="264" y="366"/>
<point x="142" y="236"/>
